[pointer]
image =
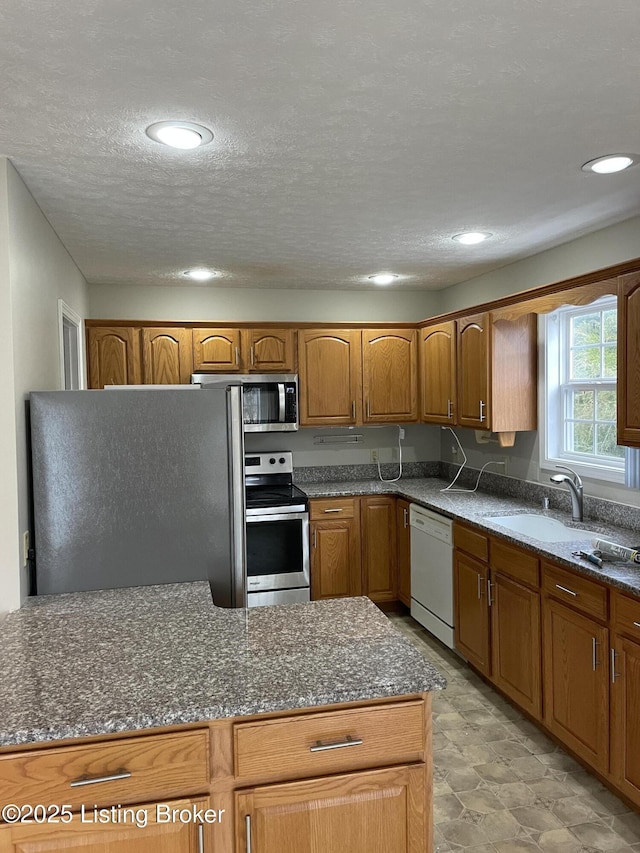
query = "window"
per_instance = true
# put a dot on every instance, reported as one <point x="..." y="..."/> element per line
<point x="581" y="370"/>
<point x="71" y="352"/>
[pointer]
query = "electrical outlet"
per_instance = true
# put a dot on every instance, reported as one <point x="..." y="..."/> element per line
<point x="504" y="468"/>
<point x="454" y="450"/>
<point x="25" y="548"/>
<point x="395" y="455"/>
<point x="375" y="454"/>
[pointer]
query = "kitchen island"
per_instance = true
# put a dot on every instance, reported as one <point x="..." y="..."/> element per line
<point x="299" y="727"/>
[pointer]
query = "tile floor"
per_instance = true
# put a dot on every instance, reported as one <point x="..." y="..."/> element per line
<point x="500" y="785"/>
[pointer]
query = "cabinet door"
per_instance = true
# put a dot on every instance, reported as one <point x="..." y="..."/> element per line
<point x="271" y="350"/>
<point x="473" y="372"/>
<point x="335" y="559"/>
<point x="85" y="834"/>
<point x="516" y="642"/>
<point x="470" y="587"/>
<point x="403" y="532"/>
<point x="167" y="357"/>
<point x="379" y="568"/>
<point x="113" y="355"/>
<point x="389" y="375"/>
<point x="576" y="688"/>
<point x="625" y="717"/>
<point x="380" y="811"/>
<point x="629" y="359"/>
<point x="330" y="365"/>
<point x="438" y="373"/>
<point x="217" y="350"/>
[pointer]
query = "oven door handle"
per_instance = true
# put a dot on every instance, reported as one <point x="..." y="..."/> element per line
<point x="281" y="406"/>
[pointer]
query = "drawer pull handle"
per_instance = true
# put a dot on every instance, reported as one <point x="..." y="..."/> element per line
<point x="96" y="780"/>
<point x="637" y="624"/>
<point x="339" y="509"/>
<point x="323" y="747"/>
<point x="568" y="591"/>
<point x="247" y="823"/>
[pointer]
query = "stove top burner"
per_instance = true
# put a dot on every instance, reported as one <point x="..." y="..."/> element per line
<point x="274" y="495"/>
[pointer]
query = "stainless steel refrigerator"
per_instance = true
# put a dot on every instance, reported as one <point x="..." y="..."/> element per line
<point x="137" y="487"/>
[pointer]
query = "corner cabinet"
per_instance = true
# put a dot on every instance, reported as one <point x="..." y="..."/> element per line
<point x="629" y="360"/>
<point x="113" y="356"/>
<point x="389" y="376"/>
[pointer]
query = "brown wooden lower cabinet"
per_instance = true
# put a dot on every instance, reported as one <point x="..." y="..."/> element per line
<point x="378" y="811"/>
<point x="378" y="530"/>
<point x="576" y="682"/>
<point x="353" y="547"/>
<point x="470" y="584"/>
<point x="625" y="716"/>
<point x="516" y="645"/>
<point x="403" y="532"/>
<point x="122" y="835"/>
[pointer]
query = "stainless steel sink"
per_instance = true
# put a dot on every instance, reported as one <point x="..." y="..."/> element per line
<point x="542" y="528"/>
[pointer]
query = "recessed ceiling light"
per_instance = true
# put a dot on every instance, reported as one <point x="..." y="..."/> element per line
<point x="200" y="274"/>
<point x="610" y="163"/>
<point x="383" y="278"/>
<point x="470" y="238"/>
<point x="179" y="134"/>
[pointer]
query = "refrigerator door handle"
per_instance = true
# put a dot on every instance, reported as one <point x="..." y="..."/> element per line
<point x="238" y="508"/>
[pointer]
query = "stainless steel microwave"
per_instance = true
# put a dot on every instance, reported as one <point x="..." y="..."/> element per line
<point x="269" y="400"/>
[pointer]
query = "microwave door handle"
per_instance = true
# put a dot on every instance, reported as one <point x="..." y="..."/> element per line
<point x="281" y="406"/>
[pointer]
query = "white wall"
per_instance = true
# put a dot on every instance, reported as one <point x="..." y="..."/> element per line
<point x="40" y="271"/>
<point x="601" y="249"/>
<point x="119" y="302"/>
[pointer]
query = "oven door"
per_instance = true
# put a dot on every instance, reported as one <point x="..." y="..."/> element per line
<point x="277" y="550"/>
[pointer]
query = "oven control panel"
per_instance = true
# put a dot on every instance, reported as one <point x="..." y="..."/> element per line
<point x="279" y="462"/>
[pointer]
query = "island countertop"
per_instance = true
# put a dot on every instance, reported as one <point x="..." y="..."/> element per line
<point x="93" y="663"/>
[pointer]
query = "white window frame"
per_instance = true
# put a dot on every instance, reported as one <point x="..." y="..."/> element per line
<point x="552" y="349"/>
<point x="65" y="312"/>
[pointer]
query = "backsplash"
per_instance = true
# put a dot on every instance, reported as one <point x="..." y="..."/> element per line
<point x="343" y="473"/>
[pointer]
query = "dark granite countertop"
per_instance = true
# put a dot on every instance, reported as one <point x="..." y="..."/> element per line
<point x="475" y="507"/>
<point x="93" y="663"/>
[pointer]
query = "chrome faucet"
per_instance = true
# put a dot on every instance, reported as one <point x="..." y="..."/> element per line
<point x="575" y="487"/>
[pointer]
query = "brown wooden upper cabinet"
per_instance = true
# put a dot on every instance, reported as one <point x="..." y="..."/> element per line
<point x="629" y="359"/>
<point x="497" y="373"/>
<point x="217" y="349"/>
<point x="389" y="375"/>
<point x="349" y="376"/>
<point x="113" y="356"/>
<point x="330" y="366"/>
<point x="271" y="350"/>
<point x="167" y="356"/>
<point x="438" y="373"/>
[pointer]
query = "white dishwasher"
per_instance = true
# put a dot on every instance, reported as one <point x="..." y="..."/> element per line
<point x="432" y="572"/>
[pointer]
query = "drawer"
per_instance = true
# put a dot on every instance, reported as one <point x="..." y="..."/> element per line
<point x="332" y="508"/>
<point x="472" y="541"/>
<point x="311" y="745"/>
<point x="575" y="590"/>
<point x="626" y="615"/>
<point x="517" y="564"/>
<point x="156" y="767"/>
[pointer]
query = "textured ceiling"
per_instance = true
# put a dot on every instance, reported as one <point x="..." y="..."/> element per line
<point x="351" y="136"/>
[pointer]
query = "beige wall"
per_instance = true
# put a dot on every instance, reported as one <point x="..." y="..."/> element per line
<point x="242" y="304"/>
<point x="40" y="271"/>
<point x="601" y="249"/>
